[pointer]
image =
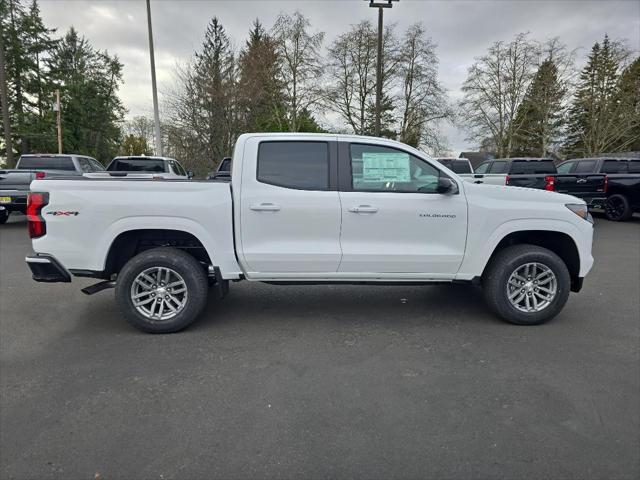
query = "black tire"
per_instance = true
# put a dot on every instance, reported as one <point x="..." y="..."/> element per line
<point x="617" y="208"/>
<point x="191" y="271"/>
<point x="496" y="277"/>
<point x="4" y="216"/>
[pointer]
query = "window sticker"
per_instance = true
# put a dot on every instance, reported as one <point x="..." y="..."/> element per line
<point x="385" y="167"/>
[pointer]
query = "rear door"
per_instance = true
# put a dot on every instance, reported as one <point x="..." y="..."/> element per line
<point x="289" y="207"/>
<point x="393" y="219"/>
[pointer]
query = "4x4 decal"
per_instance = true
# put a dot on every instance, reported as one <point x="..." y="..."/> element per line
<point x="63" y="213"/>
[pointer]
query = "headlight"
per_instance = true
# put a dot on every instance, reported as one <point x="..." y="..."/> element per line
<point x="581" y="210"/>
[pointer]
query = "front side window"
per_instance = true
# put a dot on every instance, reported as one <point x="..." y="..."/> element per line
<point x="483" y="167"/>
<point x="85" y="166"/>
<point x="383" y="169"/>
<point x="634" y="166"/>
<point x="299" y="165"/>
<point x="498" y="167"/>
<point x="97" y="166"/>
<point x="586" y="166"/>
<point x="565" y="167"/>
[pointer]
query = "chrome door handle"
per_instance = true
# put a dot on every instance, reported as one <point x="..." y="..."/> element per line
<point x="363" y="209"/>
<point x="265" y="207"/>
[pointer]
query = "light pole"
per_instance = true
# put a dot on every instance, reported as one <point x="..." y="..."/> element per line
<point x="380" y="5"/>
<point x="156" y="115"/>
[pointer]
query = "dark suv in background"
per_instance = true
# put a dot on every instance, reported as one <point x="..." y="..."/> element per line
<point x="620" y="197"/>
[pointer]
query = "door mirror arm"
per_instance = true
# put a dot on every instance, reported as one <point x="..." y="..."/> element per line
<point x="446" y="186"/>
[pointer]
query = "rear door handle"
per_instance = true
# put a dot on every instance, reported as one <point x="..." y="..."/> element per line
<point x="478" y="181"/>
<point x="265" y="207"/>
<point x="363" y="209"/>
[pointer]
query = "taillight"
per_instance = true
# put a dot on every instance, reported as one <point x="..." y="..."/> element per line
<point x="40" y="175"/>
<point x="506" y="180"/>
<point x="549" y="183"/>
<point x="606" y="183"/>
<point x="35" y="222"/>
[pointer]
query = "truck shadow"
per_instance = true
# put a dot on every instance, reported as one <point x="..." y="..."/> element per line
<point x="346" y="304"/>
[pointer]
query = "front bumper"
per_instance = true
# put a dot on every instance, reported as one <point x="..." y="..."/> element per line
<point x="45" y="268"/>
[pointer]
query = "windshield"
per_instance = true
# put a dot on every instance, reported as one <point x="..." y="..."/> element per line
<point x="46" y="163"/>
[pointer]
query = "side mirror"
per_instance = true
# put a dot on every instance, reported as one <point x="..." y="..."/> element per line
<point x="446" y="186"/>
<point x="189" y="174"/>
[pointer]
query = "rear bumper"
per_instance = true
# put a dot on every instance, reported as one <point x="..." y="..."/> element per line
<point x="595" y="202"/>
<point x="18" y="202"/>
<point x="45" y="268"/>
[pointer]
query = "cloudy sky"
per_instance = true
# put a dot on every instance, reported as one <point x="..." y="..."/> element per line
<point x="462" y="29"/>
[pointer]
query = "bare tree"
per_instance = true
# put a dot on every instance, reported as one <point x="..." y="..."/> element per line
<point x="494" y="89"/>
<point x="301" y="66"/>
<point x="423" y="100"/>
<point x="352" y="75"/>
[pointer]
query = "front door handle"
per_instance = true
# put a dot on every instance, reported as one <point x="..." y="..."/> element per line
<point x="478" y="181"/>
<point x="363" y="209"/>
<point x="265" y="207"/>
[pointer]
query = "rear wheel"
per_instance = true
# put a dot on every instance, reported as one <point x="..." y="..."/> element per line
<point x="162" y="290"/>
<point x="4" y="216"/>
<point x="526" y="284"/>
<point x="617" y="208"/>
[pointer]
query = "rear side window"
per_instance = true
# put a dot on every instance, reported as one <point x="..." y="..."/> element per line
<point x="299" y="165"/>
<point x="137" y="165"/>
<point x="614" y="166"/>
<point x="46" y="163"/>
<point x="532" y="167"/>
<point x="634" y="166"/>
<point x="498" y="167"/>
<point x="586" y="166"/>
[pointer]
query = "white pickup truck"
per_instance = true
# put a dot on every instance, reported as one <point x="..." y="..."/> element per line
<point x="306" y="208"/>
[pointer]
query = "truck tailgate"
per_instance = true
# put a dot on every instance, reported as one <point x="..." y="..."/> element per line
<point x="581" y="185"/>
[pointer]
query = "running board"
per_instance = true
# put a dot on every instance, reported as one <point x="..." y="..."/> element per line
<point x="98" y="287"/>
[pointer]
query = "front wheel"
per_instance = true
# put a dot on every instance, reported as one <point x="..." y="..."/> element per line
<point x="526" y="284"/>
<point x="617" y="208"/>
<point x="162" y="290"/>
<point x="4" y="216"/>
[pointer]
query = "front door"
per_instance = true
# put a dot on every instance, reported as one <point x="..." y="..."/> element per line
<point x="394" y="221"/>
<point x="290" y="211"/>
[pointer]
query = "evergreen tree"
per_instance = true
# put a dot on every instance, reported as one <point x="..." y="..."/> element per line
<point x="628" y="102"/>
<point x="215" y="88"/>
<point x="88" y="80"/>
<point x="595" y="121"/>
<point x="260" y="92"/>
<point x="27" y="41"/>
<point x="540" y="115"/>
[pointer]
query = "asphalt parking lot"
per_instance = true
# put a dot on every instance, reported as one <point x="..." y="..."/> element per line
<point x="322" y="382"/>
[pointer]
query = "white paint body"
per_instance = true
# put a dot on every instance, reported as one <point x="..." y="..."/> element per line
<point x="266" y="232"/>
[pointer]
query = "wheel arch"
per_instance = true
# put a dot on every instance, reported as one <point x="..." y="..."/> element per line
<point x="561" y="243"/>
<point x="129" y="243"/>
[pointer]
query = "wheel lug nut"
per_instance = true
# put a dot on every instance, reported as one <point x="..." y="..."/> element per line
<point x="167" y="297"/>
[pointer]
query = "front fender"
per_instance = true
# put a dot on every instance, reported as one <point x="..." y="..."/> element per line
<point x="479" y="249"/>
